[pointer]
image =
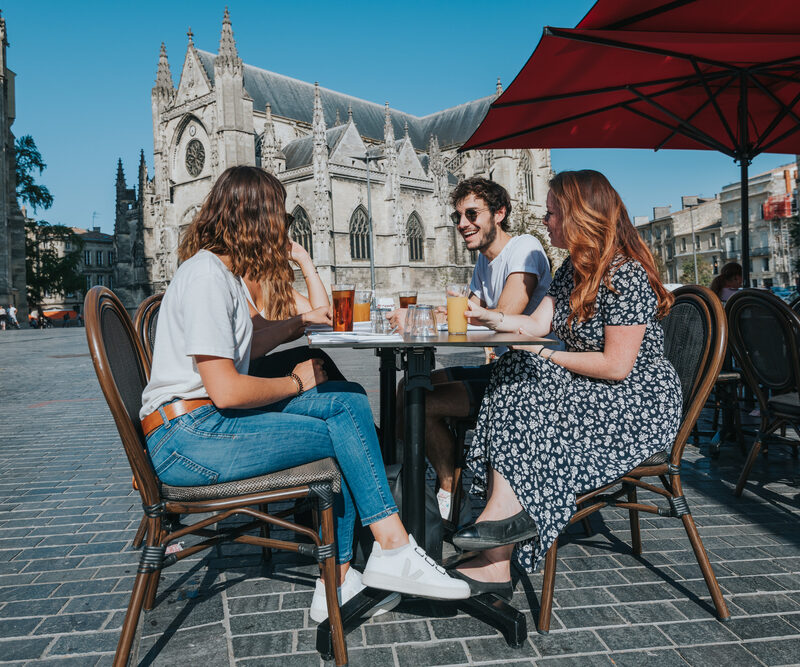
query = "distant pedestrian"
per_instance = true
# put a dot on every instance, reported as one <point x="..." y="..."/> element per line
<point x="3" y="318"/>
<point x="66" y="320"/>
<point x="12" y="316"/>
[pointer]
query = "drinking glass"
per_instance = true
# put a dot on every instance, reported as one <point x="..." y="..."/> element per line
<point x="363" y="299"/>
<point x="407" y="298"/>
<point x="424" y="322"/>
<point x="411" y="320"/>
<point x="457" y="302"/>
<point x="343" y="298"/>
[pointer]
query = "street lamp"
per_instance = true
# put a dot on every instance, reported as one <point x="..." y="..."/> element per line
<point x="367" y="158"/>
<point x="694" y="245"/>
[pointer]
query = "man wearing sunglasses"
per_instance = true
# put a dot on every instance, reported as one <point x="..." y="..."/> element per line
<point x="512" y="275"/>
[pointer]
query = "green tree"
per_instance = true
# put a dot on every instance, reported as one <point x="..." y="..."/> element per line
<point x="52" y="256"/>
<point x="29" y="160"/>
<point x="704" y="269"/>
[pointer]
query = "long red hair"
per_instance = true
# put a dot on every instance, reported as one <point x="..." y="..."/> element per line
<point x="596" y="230"/>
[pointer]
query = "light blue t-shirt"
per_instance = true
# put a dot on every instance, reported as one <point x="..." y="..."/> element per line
<point x="522" y="254"/>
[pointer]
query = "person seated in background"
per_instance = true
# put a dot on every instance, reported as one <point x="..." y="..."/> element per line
<point x="557" y="423"/>
<point x="510" y="277"/>
<point x="206" y="421"/>
<point x="728" y="282"/>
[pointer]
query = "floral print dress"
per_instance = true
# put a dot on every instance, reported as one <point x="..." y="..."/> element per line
<point x="553" y="434"/>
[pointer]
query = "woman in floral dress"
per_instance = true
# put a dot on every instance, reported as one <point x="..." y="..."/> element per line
<point x="554" y="424"/>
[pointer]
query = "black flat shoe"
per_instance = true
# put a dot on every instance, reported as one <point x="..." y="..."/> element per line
<point x="504" y="590"/>
<point x="491" y="534"/>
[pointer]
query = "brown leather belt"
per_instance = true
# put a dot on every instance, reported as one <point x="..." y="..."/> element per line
<point x="172" y="411"/>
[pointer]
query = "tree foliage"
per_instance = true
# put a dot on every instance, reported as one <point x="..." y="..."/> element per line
<point x="52" y="257"/>
<point x="29" y="160"/>
<point x="704" y="269"/>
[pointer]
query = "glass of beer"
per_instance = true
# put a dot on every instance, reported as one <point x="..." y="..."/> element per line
<point x="361" y="305"/>
<point x="457" y="301"/>
<point x="343" y="298"/>
<point x="407" y="298"/>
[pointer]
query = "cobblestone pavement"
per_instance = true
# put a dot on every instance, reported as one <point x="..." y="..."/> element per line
<point x="68" y="514"/>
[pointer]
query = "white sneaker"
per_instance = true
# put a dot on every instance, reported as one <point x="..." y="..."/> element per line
<point x="351" y="586"/>
<point x="410" y="570"/>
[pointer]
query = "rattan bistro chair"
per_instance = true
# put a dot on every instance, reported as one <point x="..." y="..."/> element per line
<point x="695" y="335"/>
<point x="765" y="334"/>
<point x="145" y="321"/>
<point x="122" y="371"/>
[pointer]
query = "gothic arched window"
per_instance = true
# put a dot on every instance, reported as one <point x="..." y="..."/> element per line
<point x="258" y="138"/>
<point x="359" y="234"/>
<point x="527" y="176"/>
<point x="300" y="231"/>
<point x="416" y="239"/>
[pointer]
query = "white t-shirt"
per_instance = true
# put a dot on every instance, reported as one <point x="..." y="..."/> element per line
<point x="204" y="312"/>
<point x="522" y="254"/>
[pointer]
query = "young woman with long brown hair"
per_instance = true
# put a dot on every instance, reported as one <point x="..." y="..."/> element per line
<point x="207" y="421"/>
<point x="555" y="423"/>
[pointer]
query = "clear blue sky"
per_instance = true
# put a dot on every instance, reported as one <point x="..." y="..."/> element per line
<point x="85" y="70"/>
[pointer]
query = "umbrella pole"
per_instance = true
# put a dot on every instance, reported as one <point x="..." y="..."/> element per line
<point x="744" y="185"/>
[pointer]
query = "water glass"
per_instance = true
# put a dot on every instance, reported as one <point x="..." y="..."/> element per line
<point x="411" y="320"/>
<point x="425" y="322"/>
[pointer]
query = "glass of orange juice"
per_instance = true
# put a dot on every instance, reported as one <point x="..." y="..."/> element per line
<point x="361" y="305"/>
<point x="457" y="298"/>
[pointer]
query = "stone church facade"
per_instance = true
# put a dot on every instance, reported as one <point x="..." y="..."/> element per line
<point x="12" y="221"/>
<point x="320" y="143"/>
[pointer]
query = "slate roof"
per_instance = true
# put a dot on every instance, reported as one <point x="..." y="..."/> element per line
<point x="292" y="98"/>
<point x="300" y="151"/>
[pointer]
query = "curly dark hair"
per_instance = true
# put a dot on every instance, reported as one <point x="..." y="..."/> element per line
<point x="494" y="194"/>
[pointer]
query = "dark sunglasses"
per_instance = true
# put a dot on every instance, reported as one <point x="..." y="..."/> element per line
<point x="470" y="214"/>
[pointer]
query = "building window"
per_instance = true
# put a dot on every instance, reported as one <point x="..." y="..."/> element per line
<point x="416" y="239"/>
<point x="712" y="242"/>
<point x="99" y="280"/>
<point x="765" y="264"/>
<point x="473" y="256"/>
<point x="359" y="234"/>
<point x="697" y="243"/>
<point x="108" y="282"/>
<point x="99" y="255"/>
<point x="87" y="257"/>
<point x="111" y="258"/>
<point x="88" y="283"/>
<point x="300" y="230"/>
<point x="683" y="245"/>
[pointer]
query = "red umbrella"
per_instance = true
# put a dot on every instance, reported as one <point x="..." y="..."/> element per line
<point x="734" y="92"/>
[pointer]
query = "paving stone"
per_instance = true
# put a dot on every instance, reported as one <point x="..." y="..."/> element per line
<point x="461" y="626"/>
<point x="205" y="645"/>
<point x="23" y="649"/>
<point x="93" y="642"/>
<point x="495" y="648"/>
<point x="653" y="612"/>
<point x="441" y="653"/>
<point x="769" y="603"/>
<point x="596" y="660"/>
<point x="567" y="642"/>
<point x="18" y="627"/>
<point x="267" y="622"/>
<point x="776" y="652"/>
<point x="718" y="654"/>
<point x="389" y="633"/>
<point x="66" y="623"/>
<point x="651" y="658"/>
<point x="589" y="617"/>
<point x="638" y="636"/>
<point x="694" y="632"/>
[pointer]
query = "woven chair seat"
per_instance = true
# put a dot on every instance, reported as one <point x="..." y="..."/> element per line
<point x="729" y="376"/>
<point x="787" y="404"/>
<point x="323" y="470"/>
<point x="657" y="459"/>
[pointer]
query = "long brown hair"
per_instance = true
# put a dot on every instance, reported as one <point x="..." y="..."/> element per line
<point x="597" y="229"/>
<point x="729" y="272"/>
<point x="244" y="218"/>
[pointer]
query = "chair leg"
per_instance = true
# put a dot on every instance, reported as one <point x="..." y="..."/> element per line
<point x="266" y="552"/>
<point x="458" y="492"/>
<point x="748" y="465"/>
<point x="131" y="621"/>
<point x="328" y="567"/>
<point x="636" y="534"/>
<point x="141" y="533"/>
<point x="705" y="566"/>
<point x="548" y="585"/>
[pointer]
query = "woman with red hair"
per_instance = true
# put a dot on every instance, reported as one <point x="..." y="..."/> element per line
<point x="556" y="423"/>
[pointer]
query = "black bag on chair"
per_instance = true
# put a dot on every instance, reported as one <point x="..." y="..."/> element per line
<point x="434" y="530"/>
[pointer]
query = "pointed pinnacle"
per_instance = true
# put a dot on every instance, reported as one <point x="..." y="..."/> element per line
<point x="268" y="114"/>
<point x="190" y="35"/>
<point x="163" y="74"/>
<point x="349" y="113"/>
<point x="227" y="44"/>
<point x="406" y="129"/>
<point x="499" y="88"/>
<point x="338" y="120"/>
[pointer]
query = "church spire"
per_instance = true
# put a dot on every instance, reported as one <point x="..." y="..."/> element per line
<point x="319" y="117"/>
<point x="228" y="56"/>
<point x="163" y="75"/>
<point x="190" y="35"/>
<point x="388" y="128"/>
<point x="142" y="174"/>
<point x="499" y="88"/>
<point x="405" y="131"/>
<point x="120" y="175"/>
<point x="269" y="146"/>
<point x="391" y="187"/>
<point x="349" y="113"/>
<point x="322" y="179"/>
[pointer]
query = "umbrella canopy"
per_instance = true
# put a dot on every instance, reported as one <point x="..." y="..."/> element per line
<point x="734" y="92"/>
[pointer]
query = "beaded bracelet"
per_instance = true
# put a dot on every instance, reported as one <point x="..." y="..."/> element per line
<point x="298" y="382"/>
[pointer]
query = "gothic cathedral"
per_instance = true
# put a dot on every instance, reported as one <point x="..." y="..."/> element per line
<point x="337" y="155"/>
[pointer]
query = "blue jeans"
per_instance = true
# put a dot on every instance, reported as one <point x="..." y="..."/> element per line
<point x="210" y="446"/>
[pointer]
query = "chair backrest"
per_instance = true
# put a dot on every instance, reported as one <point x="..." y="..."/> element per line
<point x="145" y="322"/>
<point x="764" y="335"/>
<point x="794" y="304"/>
<point x="695" y="339"/>
<point x="123" y="371"/>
